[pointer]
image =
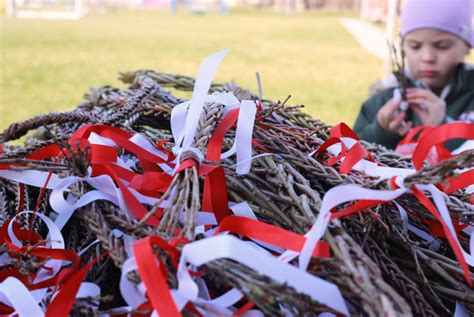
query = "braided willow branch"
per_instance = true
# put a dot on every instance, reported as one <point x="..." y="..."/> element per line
<point x="146" y="90"/>
<point x="17" y="130"/>
<point x="442" y="171"/>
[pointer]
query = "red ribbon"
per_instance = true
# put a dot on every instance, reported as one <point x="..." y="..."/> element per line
<point x="103" y="159"/>
<point x="215" y="197"/>
<point x="439" y="135"/>
<point x="452" y="241"/>
<point x="40" y="198"/>
<point x="352" y="156"/>
<point x="416" y="134"/>
<point x="62" y="303"/>
<point x="260" y="146"/>
<point x="21" y="200"/>
<point x="343" y="130"/>
<point x="245" y="308"/>
<point x="155" y="277"/>
<point x="270" y="234"/>
<point x="130" y="200"/>
<point x="358" y="206"/>
<point x="459" y="181"/>
<point x="437" y="229"/>
<point x="71" y="277"/>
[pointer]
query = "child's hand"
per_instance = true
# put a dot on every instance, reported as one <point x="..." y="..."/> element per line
<point x="392" y="120"/>
<point x="430" y="108"/>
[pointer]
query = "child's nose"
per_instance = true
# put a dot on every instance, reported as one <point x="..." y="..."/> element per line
<point x="428" y="55"/>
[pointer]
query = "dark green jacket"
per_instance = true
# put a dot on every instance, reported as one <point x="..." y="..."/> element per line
<point x="459" y="101"/>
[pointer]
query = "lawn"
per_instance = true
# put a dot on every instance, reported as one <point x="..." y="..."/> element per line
<point x="49" y="65"/>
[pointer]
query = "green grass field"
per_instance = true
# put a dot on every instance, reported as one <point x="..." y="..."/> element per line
<point x="49" y="65"/>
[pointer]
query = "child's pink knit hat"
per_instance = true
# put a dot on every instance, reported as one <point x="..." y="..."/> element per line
<point x="453" y="16"/>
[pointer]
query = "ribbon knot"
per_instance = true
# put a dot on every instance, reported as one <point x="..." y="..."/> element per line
<point x="189" y="158"/>
<point x="191" y="154"/>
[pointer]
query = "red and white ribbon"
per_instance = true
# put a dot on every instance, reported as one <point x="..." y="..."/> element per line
<point x="185" y="116"/>
<point x="229" y="247"/>
<point x="346" y="193"/>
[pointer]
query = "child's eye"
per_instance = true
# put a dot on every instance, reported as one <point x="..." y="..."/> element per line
<point x="443" y="45"/>
<point x="414" y="46"/>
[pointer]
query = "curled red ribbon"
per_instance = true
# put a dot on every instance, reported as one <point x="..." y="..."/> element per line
<point x="439" y="135"/>
<point x="352" y="156"/>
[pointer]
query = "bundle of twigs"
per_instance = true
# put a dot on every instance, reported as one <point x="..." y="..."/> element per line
<point x="379" y="266"/>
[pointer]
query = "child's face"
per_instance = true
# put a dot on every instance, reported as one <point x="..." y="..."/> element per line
<point x="432" y="55"/>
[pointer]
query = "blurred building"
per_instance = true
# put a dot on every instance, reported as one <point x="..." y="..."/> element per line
<point x="370" y="10"/>
<point x="303" y="5"/>
<point x="77" y="8"/>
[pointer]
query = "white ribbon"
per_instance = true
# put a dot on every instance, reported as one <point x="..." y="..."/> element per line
<point x="229" y="247"/>
<point x="397" y="95"/>
<point x="130" y="293"/>
<point x="185" y="116"/>
<point x="139" y="140"/>
<point x="243" y="137"/>
<point x="32" y="178"/>
<point x="14" y="293"/>
<point x="460" y="310"/>
<point x="105" y="189"/>
<point x="334" y="197"/>
<point x="346" y="193"/>
<point x="440" y="203"/>
<point x="207" y="70"/>
<point x="434" y="244"/>
<point x="54" y="240"/>
<point x="88" y="290"/>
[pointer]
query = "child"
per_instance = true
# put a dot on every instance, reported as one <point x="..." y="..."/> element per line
<point x="437" y="35"/>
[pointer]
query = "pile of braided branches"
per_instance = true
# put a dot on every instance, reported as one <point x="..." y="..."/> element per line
<point x="380" y="268"/>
